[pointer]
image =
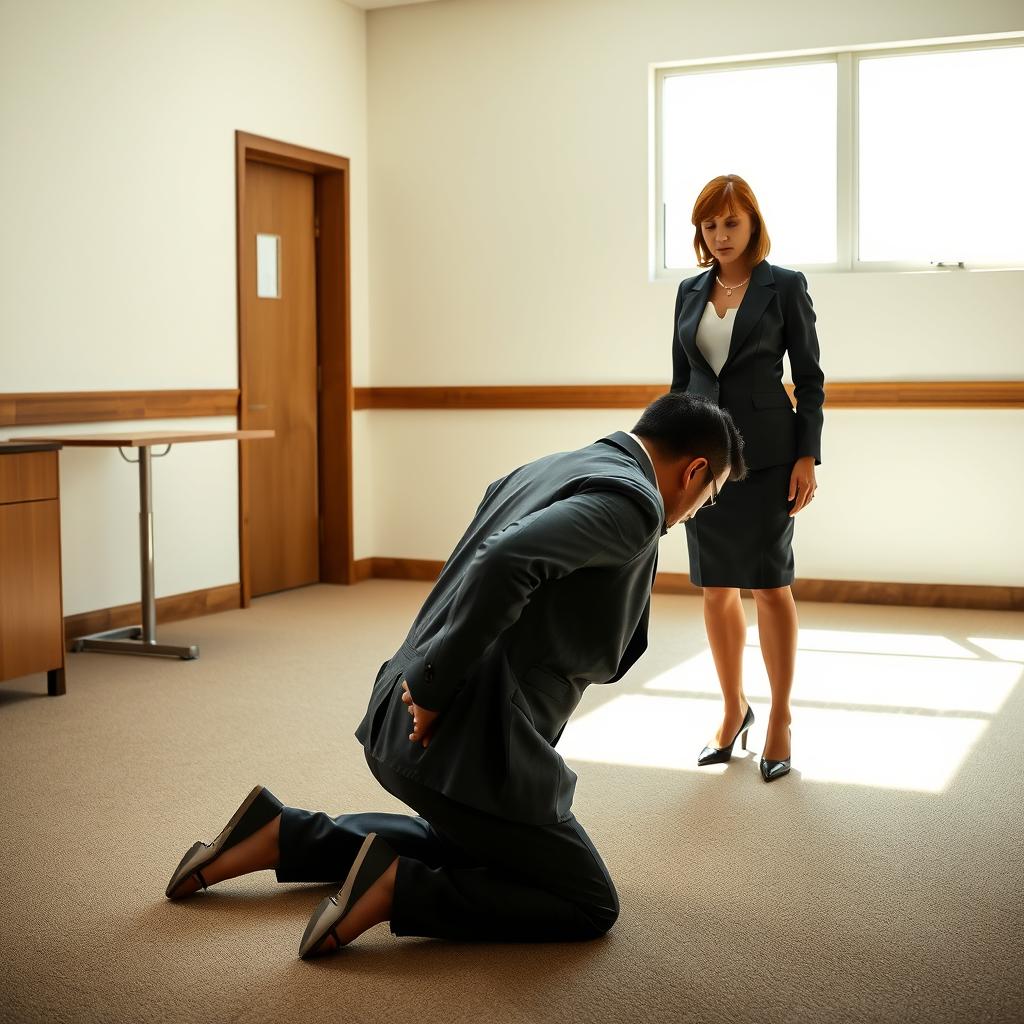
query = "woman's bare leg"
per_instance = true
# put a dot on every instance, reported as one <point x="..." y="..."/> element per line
<point x="777" y="627"/>
<point x="726" y="626"/>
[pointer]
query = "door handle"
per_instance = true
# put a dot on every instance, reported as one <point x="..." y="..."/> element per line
<point x="258" y="407"/>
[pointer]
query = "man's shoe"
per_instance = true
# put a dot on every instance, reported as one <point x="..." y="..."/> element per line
<point x="374" y="858"/>
<point x="259" y="808"/>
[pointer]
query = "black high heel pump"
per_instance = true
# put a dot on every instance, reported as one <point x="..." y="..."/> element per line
<point x="719" y="755"/>
<point x="776" y="769"/>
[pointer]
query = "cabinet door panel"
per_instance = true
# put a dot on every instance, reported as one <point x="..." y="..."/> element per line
<point x="31" y="628"/>
<point x="29" y="476"/>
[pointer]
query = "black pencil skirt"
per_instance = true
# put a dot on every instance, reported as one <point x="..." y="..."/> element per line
<point x="746" y="538"/>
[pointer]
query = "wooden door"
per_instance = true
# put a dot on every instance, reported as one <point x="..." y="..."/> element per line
<point x="280" y="386"/>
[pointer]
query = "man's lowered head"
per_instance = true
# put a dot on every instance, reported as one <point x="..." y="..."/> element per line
<point x="696" y="450"/>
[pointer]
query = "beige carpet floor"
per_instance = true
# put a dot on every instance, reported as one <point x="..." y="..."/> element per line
<point x="880" y="881"/>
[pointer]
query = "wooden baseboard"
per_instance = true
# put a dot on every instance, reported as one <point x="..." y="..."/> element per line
<point x="913" y="595"/>
<point x="178" y="607"/>
<point x="423" y="570"/>
<point x="168" y="609"/>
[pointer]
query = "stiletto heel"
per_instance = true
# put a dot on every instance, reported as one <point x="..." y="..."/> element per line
<point x="719" y="755"/>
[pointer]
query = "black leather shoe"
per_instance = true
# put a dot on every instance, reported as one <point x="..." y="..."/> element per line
<point x="775" y="769"/>
<point x="719" y="755"/>
<point x="259" y="808"/>
<point x="374" y="858"/>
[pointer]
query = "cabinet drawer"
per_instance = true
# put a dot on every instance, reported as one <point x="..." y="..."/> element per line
<point x="28" y="476"/>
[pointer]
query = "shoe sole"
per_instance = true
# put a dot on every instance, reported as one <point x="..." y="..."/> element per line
<point x="376" y="856"/>
<point x="255" y="811"/>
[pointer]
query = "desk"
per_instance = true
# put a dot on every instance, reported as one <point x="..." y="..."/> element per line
<point x="142" y="639"/>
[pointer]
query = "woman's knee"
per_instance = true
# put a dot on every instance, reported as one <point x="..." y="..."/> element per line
<point x="776" y="597"/>
<point x="719" y="597"/>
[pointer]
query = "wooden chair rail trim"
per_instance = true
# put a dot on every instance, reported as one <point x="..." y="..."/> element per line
<point x="949" y="394"/>
<point x="918" y="595"/>
<point x="48" y="407"/>
<point x="51" y="407"/>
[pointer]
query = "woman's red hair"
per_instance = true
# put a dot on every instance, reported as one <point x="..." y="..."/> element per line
<point x="729" y="193"/>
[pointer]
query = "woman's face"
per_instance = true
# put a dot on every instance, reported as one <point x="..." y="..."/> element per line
<point x="727" y="236"/>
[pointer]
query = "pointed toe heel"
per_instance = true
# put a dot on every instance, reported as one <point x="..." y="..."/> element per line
<point x="719" y="755"/>
<point x="771" y="770"/>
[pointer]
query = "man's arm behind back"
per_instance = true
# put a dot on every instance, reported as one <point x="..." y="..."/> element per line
<point x="608" y="523"/>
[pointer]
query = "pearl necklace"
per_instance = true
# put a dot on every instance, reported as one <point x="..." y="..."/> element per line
<point x="728" y="290"/>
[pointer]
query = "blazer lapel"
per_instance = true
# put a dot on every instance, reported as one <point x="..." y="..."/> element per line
<point x="751" y="309"/>
<point x="694" y="304"/>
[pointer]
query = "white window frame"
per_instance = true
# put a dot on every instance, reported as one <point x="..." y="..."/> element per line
<point x="847" y="63"/>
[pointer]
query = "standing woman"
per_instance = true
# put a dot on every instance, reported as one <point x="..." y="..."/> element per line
<point x="732" y="326"/>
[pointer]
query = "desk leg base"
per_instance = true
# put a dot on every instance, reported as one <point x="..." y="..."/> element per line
<point x="129" y="641"/>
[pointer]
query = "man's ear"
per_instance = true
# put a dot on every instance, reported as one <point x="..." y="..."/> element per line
<point x="696" y="466"/>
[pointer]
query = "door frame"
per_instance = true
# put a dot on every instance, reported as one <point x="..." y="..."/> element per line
<point x="335" y="398"/>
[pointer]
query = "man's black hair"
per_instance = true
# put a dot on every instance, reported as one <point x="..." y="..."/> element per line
<point x="680" y="424"/>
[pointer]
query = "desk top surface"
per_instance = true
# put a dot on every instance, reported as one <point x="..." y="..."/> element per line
<point x="145" y="438"/>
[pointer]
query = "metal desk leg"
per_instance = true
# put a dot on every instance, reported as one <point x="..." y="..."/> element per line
<point x="140" y="639"/>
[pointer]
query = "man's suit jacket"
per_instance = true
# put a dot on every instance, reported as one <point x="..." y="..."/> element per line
<point x="775" y="317"/>
<point x="547" y="592"/>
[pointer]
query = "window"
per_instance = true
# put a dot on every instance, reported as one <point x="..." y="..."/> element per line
<point x="941" y="156"/>
<point x="874" y="160"/>
<point x="711" y="127"/>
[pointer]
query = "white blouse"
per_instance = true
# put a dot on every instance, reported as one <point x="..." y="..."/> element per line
<point x="714" y="335"/>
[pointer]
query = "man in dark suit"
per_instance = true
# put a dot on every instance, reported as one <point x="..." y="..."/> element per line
<point x="547" y="592"/>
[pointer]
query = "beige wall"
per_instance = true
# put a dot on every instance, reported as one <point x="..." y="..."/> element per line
<point x="507" y="168"/>
<point x="509" y="204"/>
<point x="117" y="266"/>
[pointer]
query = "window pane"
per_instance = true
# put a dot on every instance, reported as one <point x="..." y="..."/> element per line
<point x="775" y="127"/>
<point x="941" y="159"/>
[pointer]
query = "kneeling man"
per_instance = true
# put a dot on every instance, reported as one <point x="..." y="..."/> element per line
<point x="547" y="592"/>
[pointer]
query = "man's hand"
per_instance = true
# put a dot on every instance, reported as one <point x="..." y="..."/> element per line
<point x="423" y="721"/>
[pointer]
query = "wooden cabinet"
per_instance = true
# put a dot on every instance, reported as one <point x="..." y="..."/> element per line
<point x="31" y="609"/>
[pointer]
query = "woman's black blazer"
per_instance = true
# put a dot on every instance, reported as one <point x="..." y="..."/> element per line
<point x="775" y="317"/>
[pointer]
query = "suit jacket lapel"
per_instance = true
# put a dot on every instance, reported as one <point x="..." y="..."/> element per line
<point x="751" y="309"/>
<point x="694" y="304"/>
